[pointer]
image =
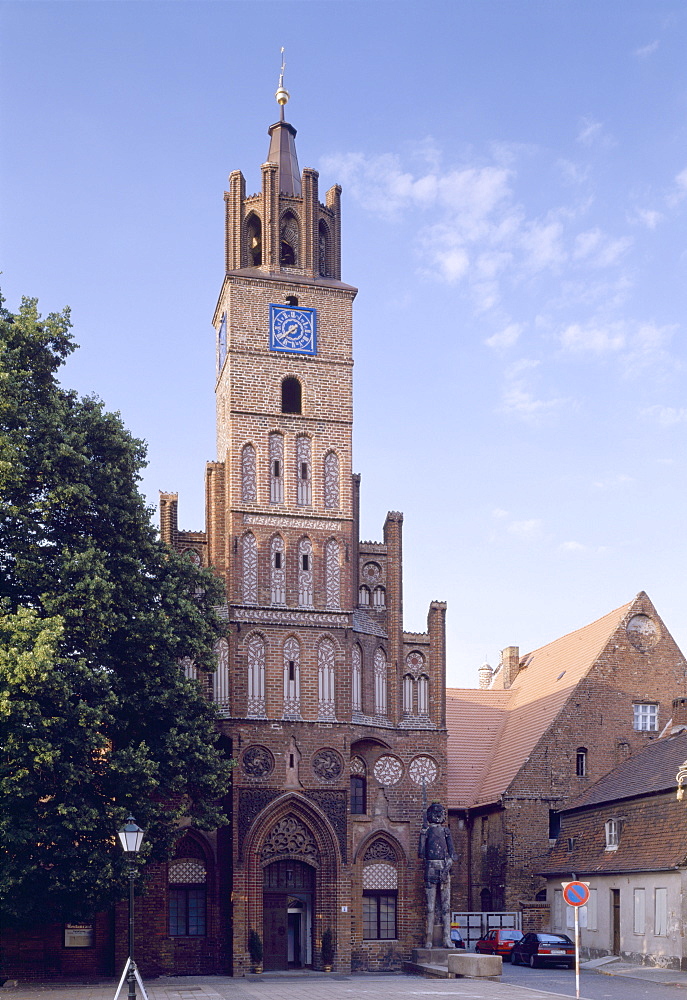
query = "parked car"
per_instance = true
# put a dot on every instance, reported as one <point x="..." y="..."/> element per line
<point x="544" y="949"/>
<point x="499" y="941"/>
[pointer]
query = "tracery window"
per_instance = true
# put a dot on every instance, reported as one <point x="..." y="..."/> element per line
<point x="276" y="468"/>
<point x="186" y="892"/>
<point x="356" y="680"/>
<point x="326" y="680"/>
<point x="290" y="240"/>
<point x="305" y="573"/>
<point x="408" y="693"/>
<point x="249" y="578"/>
<point x="277" y="571"/>
<point x="220" y="677"/>
<point x="332" y="574"/>
<point x="292" y="679"/>
<point x="423" y="695"/>
<point x="331" y="480"/>
<point x="364" y="596"/>
<point x="379" y="597"/>
<point x="303" y="470"/>
<point x="249" y="486"/>
<point x="256" y="677"/>
<point x="380" y="890"/>
<point x="380" y="682"/>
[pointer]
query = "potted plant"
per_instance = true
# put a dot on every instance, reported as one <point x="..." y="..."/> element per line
<point x="327" y="950"/>
<point x="255" y="951"/>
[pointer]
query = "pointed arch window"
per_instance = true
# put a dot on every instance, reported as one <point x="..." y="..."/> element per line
<point x="380" y="682"/>
<point x="249" y="484"/>
<point x="187" y="879"/>
<point x="220" y="678"/>
<point x="292" y="679"/>
<point x="291" y="395"/>
<point x="331" y="480"/>
<point x="305" y="573"/>
<point x="254" y="240"/>
<point x="326" y="681"/>
<point x="249" y="559"/>
<point x="289" y="240"/>
<point x="277" y="571"/>
<point x="357" y="680"/>
<point x="332" y="574"/>
<point x="256" y="677"/>
<point x="304" y="470"/>
<point x="408" y="694"/>
<point x="276" y="468"/>
<point x="423" y="695"/>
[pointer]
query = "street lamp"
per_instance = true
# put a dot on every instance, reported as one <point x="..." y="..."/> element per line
<point x="131" y="837"/>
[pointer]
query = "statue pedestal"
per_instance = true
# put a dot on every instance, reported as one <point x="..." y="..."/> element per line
<point x="431" y="956"/>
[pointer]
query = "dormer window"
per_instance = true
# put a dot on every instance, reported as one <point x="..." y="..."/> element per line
<point x="612" y="834"/>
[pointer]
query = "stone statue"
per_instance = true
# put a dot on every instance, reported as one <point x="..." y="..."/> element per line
<point x="436" y="849"/>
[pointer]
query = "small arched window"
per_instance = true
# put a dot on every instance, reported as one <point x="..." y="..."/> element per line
<point x="291" y="395"/>
<point x="379" y="597"/>
<point x="364" y="596"/>
<point x="423" y="695"/>
<point x="581" y="762"/>
<point x="289" y="241"/>
<point x="254" y="240"/>
<point x="408" y="691"/>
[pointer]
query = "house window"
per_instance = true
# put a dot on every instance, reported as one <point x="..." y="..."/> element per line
<point x="639" y="911"/>
<point x="581" y="762"/>
<point x="358" y="803"/>
<point x="554" y="824"/>
<point x="645" y="718"/>
<point x="660" y="912"/>
<point x="612" y="834"/>
<point x="379" y="915"/>
<point x="187" y="877"/>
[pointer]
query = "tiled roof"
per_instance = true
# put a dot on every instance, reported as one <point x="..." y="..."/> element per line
<point x="362" y="622"/>
<point x="652" y="769"/>
<point x="510" y="723"/>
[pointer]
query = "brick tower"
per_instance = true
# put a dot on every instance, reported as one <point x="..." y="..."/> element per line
<point x="335" y="715"/>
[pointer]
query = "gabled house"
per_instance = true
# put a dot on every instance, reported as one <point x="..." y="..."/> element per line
<point x="549" y="725"/>
<point x="627" y="836"/>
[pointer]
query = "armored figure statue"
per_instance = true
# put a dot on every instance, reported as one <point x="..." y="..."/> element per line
<point x="436" y="849"/>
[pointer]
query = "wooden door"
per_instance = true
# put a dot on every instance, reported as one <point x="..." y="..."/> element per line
<point x="275" y="930"/>
<point x="615" y="920"/>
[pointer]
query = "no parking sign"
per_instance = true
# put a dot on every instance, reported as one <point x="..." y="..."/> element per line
<point x="576" y="894"/>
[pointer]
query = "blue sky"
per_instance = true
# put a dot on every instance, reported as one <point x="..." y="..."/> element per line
<point x="515" y="209"/>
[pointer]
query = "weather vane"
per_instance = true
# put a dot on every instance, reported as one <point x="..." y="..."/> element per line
<point x="282" y="95"/>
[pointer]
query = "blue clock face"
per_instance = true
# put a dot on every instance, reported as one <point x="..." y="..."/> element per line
<point x="293" y="330"/>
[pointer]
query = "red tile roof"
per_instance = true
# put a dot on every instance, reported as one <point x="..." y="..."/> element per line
<point x="492" y="732"/>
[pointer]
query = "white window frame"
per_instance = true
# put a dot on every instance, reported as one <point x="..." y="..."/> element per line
<point x="645" y="717"/>
<point x="612" y="828"/>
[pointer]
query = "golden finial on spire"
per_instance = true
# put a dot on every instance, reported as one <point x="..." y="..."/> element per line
<point x="282" y="95"/>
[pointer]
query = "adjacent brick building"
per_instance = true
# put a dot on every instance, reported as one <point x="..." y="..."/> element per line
<point x="550" y="724"/>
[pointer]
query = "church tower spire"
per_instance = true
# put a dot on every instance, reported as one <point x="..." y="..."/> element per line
<point x="283" y="144"/>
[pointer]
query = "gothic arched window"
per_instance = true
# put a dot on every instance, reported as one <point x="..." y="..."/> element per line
<point x="325" y="680"/>
<point x="292" y="679"/>
<point x="187" y="878"/>
<point x="277" y="571"/>
<point x="408" y="693"/>
<point x="332" y="574"/>
<point x="379" y="597"/>
<point x="221" y="675"/>
<point x="380" y="682"/>
<point x="289" y="240"/>
<point x="364" y="596"/>
<point x="380" y="889"/>
<point x="331" y="480"/>
<point x="305" y="573"/>
<point x="291" y="395"/>
<point x="356" y="680"/>
<point x="256" y="677"/>
<point x="254" y="240"/>
<point x="423" y="695"/>
<point x="249" y="558"/>
<point x="303" y="470"/>
<point x="276" y="468"/>
<point x="249" y="485"/>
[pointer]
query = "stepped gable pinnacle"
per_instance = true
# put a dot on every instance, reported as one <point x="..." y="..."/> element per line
<point x="283" y="144"/>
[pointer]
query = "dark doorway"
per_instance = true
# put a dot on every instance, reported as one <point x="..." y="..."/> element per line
<point x="287" y="914"/>
<point x="615" y="920"/>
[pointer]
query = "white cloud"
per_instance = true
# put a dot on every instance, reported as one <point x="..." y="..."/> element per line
<point x="572" y="547"/>
<point x="506" y="337"/>
<point x="612" y="482"/>
<point x="542" y="243"/>
<point x="591" y="133"/>
<point x="499" y="512"/>
<point x="526" y="529"/>
<point x="646" y="50"/>
<point x="597" y="249"/>
<point x="666" y="416"/>
<point x="518" y="396"/>
<point x="649" y="217"/>
<point x="594" y="337"/>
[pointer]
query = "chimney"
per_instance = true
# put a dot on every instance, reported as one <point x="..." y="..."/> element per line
<point x="679" y="715"/>
<point x="510" y="664"/>
<point x="485" y="674"/>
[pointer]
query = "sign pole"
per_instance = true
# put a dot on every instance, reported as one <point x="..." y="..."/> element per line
<point x="577" y="952"/>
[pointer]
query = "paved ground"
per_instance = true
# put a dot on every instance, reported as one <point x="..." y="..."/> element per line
<point x="333" y="987"/>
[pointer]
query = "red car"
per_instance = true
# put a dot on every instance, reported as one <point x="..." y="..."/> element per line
<point x="498" y="942"/>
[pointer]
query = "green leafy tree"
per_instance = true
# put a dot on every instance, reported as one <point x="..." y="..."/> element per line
<point x="96" y="716"/>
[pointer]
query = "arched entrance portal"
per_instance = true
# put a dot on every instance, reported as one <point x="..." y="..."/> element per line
<point x="287" y="908"/>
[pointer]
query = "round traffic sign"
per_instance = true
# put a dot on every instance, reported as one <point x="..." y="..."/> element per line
<point x="576" y="893"/>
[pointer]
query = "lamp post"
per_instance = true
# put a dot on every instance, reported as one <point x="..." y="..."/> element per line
<point x="131" y="837"/>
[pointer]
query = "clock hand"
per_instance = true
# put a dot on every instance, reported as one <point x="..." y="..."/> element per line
<point x="291" y="329"/>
